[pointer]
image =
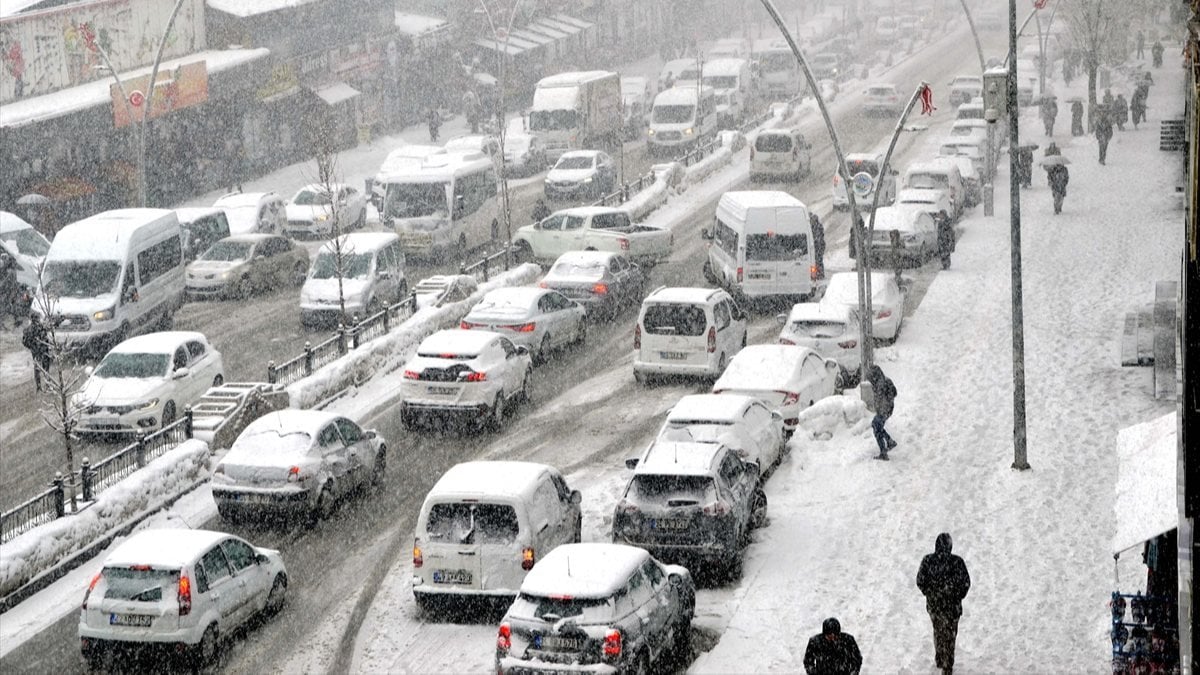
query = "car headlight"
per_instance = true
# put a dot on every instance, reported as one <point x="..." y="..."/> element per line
<point x="146" y="405"/>
<point x="321" y="217"/>
<point x="649" y="132"/>
<point x="225" y="275"/>
<point x="688" y="131"/>
<point x="546" y="181"/>
<point x="587" y="180"/>
<point x="104" y="314"/>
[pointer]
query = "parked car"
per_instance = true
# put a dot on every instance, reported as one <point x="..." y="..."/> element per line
<point x="603" y="282"/>
<point x="687" y="332"/>
<point x="371" y="275"/>
<point x="239" y="266"/>
<point x="250" y="212"/>
<point x="581" y="173"/>
<point x="472" y="374"/>
<point x="833" y="331"/>
<point x="297" y="462"/>
<point x="968" y="158"/>
<point x="914" y="241"/>
<point x="314" y="209"/>
<point x="887" y="301"/>
<point x="939" y="174"/>
<point x="864" y="171"/>
<point x="483" y="143"/>
<point x="882" y="99"/>
<point x="538" y="319"/>
<point x="202" y="227"/>
<point x="484" y="525"/>
<point x="780" y="153"/>
<point x="600" y="228"/>
<point x="179" y="591"/>
<point x="25" y="245"/>
<point x="964" y="88"/>
<point x="524" y="155"/>
<point x="145" y="382"/>
<point x="887" y="30"/>
<point x="744" y="423"/>
<point x="787" y="379"/>
<point x="928" y="200"/>
<point x="596" y="608"/>
<point x="691" y="503"/>
<point x="442" y="289"/>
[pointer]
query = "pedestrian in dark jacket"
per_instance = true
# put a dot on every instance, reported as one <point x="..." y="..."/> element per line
<point x="1120" y="112"/>
<point x="944" y="581"/>
<point x="832" y="652"/>
<point x="1141" y="45"/>
<point x="10" y="292"/>
<point x="945" y="232"/>
<point x="818" y="237"/>
<point x="1157" y="53"/>
<point x="884" y="391"/>
<point x="1077" y="118"/>
<point x="1058" y="177"/>
<point x="1104" y="130"/>
<point x="540" y="211"/>
<point x="1049" y="112"/>
<point x="1137" y="105"/>
<point x="37" y="340"/>
<point x="1025" y="165"/>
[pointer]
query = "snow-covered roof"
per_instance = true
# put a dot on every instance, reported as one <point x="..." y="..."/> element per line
<point x="678" y="459"/>
<point x="249" y="237"/>
<point x="973" y="123"/>
<point x="105" y="235"/>
<point x="695" y="296"/>
<point x="573" y="78"/>
<point x="767" y="366"/>
<point x="291" y="420"/>
<point x="163" y="549"/>
<point x="11" y="222"/>
<point x="815" y="311"/>
<point x="585" y="258"/>
<point x="416" y="24"/>
<point x="96" y="93"/>
<point x="362" y="242"/>
<point x="896" y="218"/>
<point x="1145" y="505"/>
<point x="709" y="407"/>
<point x="556" y="97"/>
<point x="919" y="196"/>
<point x="864" y="157"/>
<point x="724" y="67"/>
<point x="335" y="93"/>
<point x="456" y="341"/>
<point x="188" y="214"/>
<point x="498" y="479"/>
<point x="164" y="342"/>
<point x="588" y="570"/>
<point x="676" y="66"/>
<point x="678" y="96"/>
<point x="749" y="199"/>
<point x="929" y="166"/>
<point x="244" y="8"/>
<point x="240" y="199"/>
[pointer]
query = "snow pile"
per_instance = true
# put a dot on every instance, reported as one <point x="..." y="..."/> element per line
<point x="719" y="158"/>
<point x="163" y="479"/>
<point x="830" y="416"/>
<point x="388" y="352"/>
<point x="644" y="202"/>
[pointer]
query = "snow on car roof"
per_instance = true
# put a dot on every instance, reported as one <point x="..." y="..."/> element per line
<point x="815" y="311"/>
<point x="11" y="222"/>
<point x="674" y="458"/>
<point x="165" y="548"/>
<point x="682" y="295"/>
<point x="236" y="199"/>
<point x="362" y="242"/>
<point x="724" y="67"/>
<point x="748" y="199"/>
<point x="164" y="342"/>
<point x="190" y="214"/>
<point x="843" y="287"/>
<point x="585" y="258"/>
<point x="250" y="237"/>
<point x="456" y="341"/>
<point x="677" y="96"/>
<point x="709" y="407"/>
<point x="588" y="570"/>
<point x="517" y="297"/>
<point x="105" y="235"/>
<point x="761" y="367"/>
<point x="862" y="157"/>
<point x="291" y="420"/>
<point x="587" y="154"/>
<point x="321" y="188"/>
<point x="896" y="218"/>
<point x="495" y="478"/>
<point x="919" y="196"/>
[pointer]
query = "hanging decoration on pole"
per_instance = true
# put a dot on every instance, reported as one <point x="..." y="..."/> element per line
<point x="1040" y="4"/>
<point x="927" y="106"/>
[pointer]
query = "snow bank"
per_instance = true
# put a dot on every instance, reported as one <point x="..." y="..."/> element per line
<point x="388" y="352"/>
<point x="163" y="479"/>
<point x="831" y="416"/>
<point x="643" y="203"/>
<point x="701" y="170"/>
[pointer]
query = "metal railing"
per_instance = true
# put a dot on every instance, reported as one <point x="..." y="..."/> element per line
<point x="42" y="508"/>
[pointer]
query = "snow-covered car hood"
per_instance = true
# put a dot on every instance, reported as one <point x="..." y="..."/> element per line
<point x="242" y="219"/>
<point x="327" y="289"/>
<point x="210" y="266"/>
<point x="85" y="306"/>
<point x="569" y="175"/>
<point x="310" y="213"/>
<point x="112" y="391"/>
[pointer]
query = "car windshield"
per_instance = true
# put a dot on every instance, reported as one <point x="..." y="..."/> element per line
<point x="663" y="319"/>
<point x="311" y="198"/>
<point x="773" y="143"/>
<point x="672" y="489"/>
<point x="415" y="200"/>
<point x="778" y="61"/>
<point x="673" y="114"/>
<point x="354" y="266"/>
<point x="776" y="246"/>
<point x="584" y="610"/>
<point x="578" y="270"/>
<point x="139" y="584"/>
<point x="818" y="329"/>
<point x="721" y="81"/>
<point x="553" y="120"/>
<point x="473" y="523"/>
<point x="861" y="165"/>
<point x="932" y="181"/>
<point x="574" y="163"/>
<point x="81" y="278"/>
<point x="27" y="242"/>
<point x="228" y="251"/>
<point x="121" y="364"/>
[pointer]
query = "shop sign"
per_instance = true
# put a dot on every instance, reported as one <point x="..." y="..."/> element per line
<point x="313" y="66"/>
<point x="283" y="78"/>
<point x="182" y="87"/>
<point x="357" y="60"/>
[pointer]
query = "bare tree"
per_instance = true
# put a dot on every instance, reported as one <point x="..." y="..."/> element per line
<point x="1099" y="31"/>
<point x="327" y="182"/>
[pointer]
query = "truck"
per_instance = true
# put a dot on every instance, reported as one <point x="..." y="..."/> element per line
<point x="577" y="111"/>
<point x="592" y="228"/>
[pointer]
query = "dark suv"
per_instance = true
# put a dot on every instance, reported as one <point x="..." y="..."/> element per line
<point x="596" y="608"/>
<point x="691" y="503"/>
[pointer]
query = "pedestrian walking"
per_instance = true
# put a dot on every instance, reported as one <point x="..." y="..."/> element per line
<point x="1104" y="131"/>
<point x="944" y="581"/>
<point x="1077" y="118"/>
<point x="1057" y="176"/>
<point x="945" y="232"/>
<point x="1068" y="70"/>
<point x="1025" y="165"/>
<point x="37" y="340"/>
<point x="818" y="237"/>
<point x="540" y="211"/>
<point x="1141" y="45"/>
<point x="1137" y="105"/>
<point x="1049" y="111"/>
<point x="884" y="391"/>
<point x="10" y="292"/>
<point x="832" y="652"/>
<point x="1157" y="53"/>
<point x="1120" y="112"/>
<point x="435" y="123"/>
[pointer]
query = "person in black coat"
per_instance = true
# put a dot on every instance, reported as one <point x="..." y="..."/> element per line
<point x="1058" y="177"/>
<point x="37" y="340"/>
<point x="1104" y="130"/>
<point x="540" y="211"/>
<point x="885" y="400"/>
<point x="1077" y="118"/>
<point x="944" y="581"/>
<point x="832" y="652"/>
<point x="818" y="238"/>
<point x="945" y="231"/>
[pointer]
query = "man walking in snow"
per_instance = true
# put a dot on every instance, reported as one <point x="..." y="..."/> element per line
<point x="885" y="399"/>
<point x="944" y="581"/>
<point x="818" y="235"/>
<point x="1104" y="130"/>
<point x="832" y="652"/>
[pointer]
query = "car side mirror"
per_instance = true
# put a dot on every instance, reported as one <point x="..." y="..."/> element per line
<point x="88" y="370"/>
<point x="261" y="559"/>
<point x="706" y="235"/>
<point x="181" y="373"/>
<point x="831" y="365"/>
<point x="523" y="350"/>
<point x="383" y="274"/>
<point x="776" y="415"/>
<point x="131" y="294"/>
<point x="576" y="497"/>
<point x="676" y="579"/>
<point x="631" y="463"/>
<point x="369" y="434"/>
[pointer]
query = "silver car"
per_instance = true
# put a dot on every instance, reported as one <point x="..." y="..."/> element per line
<point x="240" y="265"/>
<point x="539" y="319"/>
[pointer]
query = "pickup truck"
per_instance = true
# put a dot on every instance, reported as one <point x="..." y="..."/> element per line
<point x="592" y="228"/>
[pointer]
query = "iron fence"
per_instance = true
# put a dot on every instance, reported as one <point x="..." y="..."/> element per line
<point x="42" y="508"/>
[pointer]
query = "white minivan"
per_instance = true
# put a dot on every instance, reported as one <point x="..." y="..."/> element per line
<point x="761" y="245"/>
<point x="939" y="175"/>
<point x="112" y="275"/>
<point x="372" y="277"/>
<point x="689" y="332"/>
<point x="485" y="524"/>
<point x="680" y="117"/>
<point x="730" y="81"/>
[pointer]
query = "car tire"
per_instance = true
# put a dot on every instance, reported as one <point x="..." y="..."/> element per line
<point x="379" y="471"/>
<point x="299" y="274"/>
<point x="277" y="596"/>
<point x="527" y="387"/>
<point x="323" y="509"/>
<point x="722" y="362"/>
<point x="581" y="333"/>
<point x="683" y="638"/>
<point x="642" y="379"/>
<point x="245" y="289"/>
<point x="522" y="253"/>
<point x="168" y="415"/>
<point x="206" y="651"/>
<point x="218" y="380"/>
<point x="758" y="508"/>
<point x="543" y="352"/>
<point x="495" y="419"/>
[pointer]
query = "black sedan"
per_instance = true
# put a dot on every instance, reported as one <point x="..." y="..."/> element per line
<point x="602" y="282"/>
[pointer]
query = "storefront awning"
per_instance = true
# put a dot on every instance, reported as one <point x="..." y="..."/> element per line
<point x="568" y="19"/>
<point x="564" y="28"/>
<point x="335" y="93"/>
<point x="513" y="47"/>
<point x="1146" y="505"/>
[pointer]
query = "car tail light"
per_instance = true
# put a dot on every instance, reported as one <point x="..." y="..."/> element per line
<point x="474" y="377"/>
<point x="503" y="639"/>
<point x="717" y="508"/>
<point x="185" y="595"/>
<point x="467" y="325"/>
<point x="814" y="273"/>
<point x="624" y="243"/>
<point x="293" y="474"/>
<point x="712" y="339"/>
<point x="739" y="275"/>
<point x="789" y="397"/>
<point x="542" y="284"/>
<point x="412" y="375"/>
<point x="883" y="314"/>
<point x="837" y="180"/>
<point x="612" y="643"/>
<point x="528" y="558"/>
<point x="91" y="586"/>
<point x="600" y="289"/>
<point x="785" y="341"/>
<point x="637" y="336"/>
<point x="848" y="344"/>
<point x="418" y="556"/>
<point x="523" y="328"/>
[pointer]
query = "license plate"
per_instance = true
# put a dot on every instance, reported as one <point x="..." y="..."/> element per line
<point x="669" y="524"/>
<point x="137" y="620"/>
<point x="555" y="643"/>
<point x="451" y="577"/>
<point x="103" y="422"/>
<point x="673" y="356"/>
<point x="443" y="391"/>
<point x="759" y="275"/>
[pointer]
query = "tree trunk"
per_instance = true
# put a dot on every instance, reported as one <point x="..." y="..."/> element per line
<point x="1091" y="90"/>
<point x="67" y="429"/>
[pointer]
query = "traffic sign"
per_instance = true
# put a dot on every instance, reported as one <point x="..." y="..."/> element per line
<point x="863" y="183"/>
<point x="136" y="98"/>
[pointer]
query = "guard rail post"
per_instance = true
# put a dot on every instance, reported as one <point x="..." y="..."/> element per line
<point x="271" y="374"/>
<point x="308" y="358"/>
<point x="85" y="478"/>
<point x="355" y="331"/>
<point x="387" y="319"/>
<point x="341" y="338"/>
<point x="412" y="303"/>
<point x="190" y="419"/>
<point x="60" y="498"/>
<point x="139" y="451"/>
<point x="487" y="262"/>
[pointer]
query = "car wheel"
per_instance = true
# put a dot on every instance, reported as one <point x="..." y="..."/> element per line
<point x="527" y="387"/>
<point x="581" y="333"/>
<point x="245" y="289"/>
<point x="641" y="378"/>
<point x="206" y="650"/>
<point x="683" y="638"/>
<point x="379" y="471"/>
<point x="578" y="529"/>
<point x="758" y="508"/>
<point x="167" y="321"/>
<point x="325" y="504"/>
<point x="721" y="363"/>
<point x="522" y="253"/>
<point x="496" y="417"/>
<point x="277" y="596"/>
<point x="168" y="415"/>
<point x="218" y="380"/>
<point x="543" y="352"/>
<point x="299" y="273"/>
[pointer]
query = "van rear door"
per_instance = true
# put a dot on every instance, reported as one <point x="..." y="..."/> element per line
<point x="778" y="259"/>
<point x="675" y="333"/>
<point x="451" y="550"/>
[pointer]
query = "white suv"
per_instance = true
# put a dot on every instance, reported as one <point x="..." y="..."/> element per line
<point x="467" y="373"/>
<point x="688" y="332"/>
<point x="181" y="590"/>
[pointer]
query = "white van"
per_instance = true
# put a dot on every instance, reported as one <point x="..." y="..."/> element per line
<point x="761" y="245"/>
<point x="780" y="153"/>
<point x="730" y="82"/>
<point x="939" y="175"/>
<point x="373" y="276"/>
<point x="25" y="245"/>
<point x="691" y="332"/>
<point x="112" y="275"/>
<point x="485" y="524"/>
<point x="681" y="117"/>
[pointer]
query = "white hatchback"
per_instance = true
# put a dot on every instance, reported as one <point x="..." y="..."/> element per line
<point x="741" y="422"/>
<point x="887" y="301"/>
<point x="687" y="332"/>
<point x="538" y="319"/>
<point x="786" y="379"/>
<point x="832" y="331"/>
<point x="178" y="590"/>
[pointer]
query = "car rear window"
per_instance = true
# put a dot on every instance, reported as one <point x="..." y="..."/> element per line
<point x="929" y="181"/>
<point x="666" y="319"/>
<point x="138" y="584"/>
<point x="584" y="610"/>
<point x="819" y="329"/>
<point x="673" y="490"/>
<point x="578" y="270"/>
<point x="473" y="523"/>
<point x="860" y="165"/>
<point x="776" y="246"/>
<point x="773" y="143"/>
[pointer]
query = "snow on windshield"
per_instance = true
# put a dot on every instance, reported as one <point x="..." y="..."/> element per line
<point x="120" y="364"/>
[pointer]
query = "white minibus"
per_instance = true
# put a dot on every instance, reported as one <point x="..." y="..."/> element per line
<point x="681" y="117"/>
<point x="761" y="245"/>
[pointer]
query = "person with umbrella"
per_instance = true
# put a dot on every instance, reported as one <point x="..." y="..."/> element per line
<point x="1077" y="117"/>
<point x="1056" y="175"/>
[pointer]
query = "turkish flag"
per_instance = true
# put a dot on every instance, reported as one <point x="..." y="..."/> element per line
<point x="927" y="107"/>
<point x="1040" y="4"/>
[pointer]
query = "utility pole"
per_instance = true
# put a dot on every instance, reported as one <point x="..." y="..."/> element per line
<point x="1020" y="459"/>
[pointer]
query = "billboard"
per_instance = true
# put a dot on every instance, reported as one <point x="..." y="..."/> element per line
<point x="174" y="89"/>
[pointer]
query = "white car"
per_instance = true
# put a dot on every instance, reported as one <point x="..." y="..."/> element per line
<point x="864" y="171"/>
<point x="180" y="590"/>
<point x="882" y="99"/>
<point x="964" y="88"/>
<point x="690" y="332"/>
<point x="970" y="128"/>
<point x="780" y="153"/>
<point x="927" y="200"/>
<point x="581" y="173"/>
<point x="483" y="143"/>
<point x="887" y="301"/>
<point x="475" y="374"/>
<point x="314" y="210"/>
<point x="787" y="379"/>
<point x="250" y="212"/>
<point x="834" y="332"/>
<point x="524" y="154"/>
<point x="442" y="289"/>
<point x="741" y="422"/>
<point x="145" y="382"/>
<point x="297" y="461"/>
<point x="538" y="319"/>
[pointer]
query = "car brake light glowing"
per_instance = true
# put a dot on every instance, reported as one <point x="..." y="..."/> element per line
<point x="504" y="639"/>
<point x="712" y="339"/>
<point x="848" y="344"/>
<point x="474" y="377"/>
<point x="612" y="643"/>
<point x="883" y="314"/>
<point x="624" y="243"/>
<point x="813" y="273"/>
<point x="467" y="325"/>
<point x="789" y="397"/>
<point x="418" y="557"/>
<point x="185" y="595"/>
<point x="739" y="275"/>
<point x="542" y="284"/>
<point x="837" y="180"/>
<point x="523" y="328"/>
<point x="412" y="375"/>
<point x="600" y="289"/>
<point x="637" y="336"/>
<point x="91" y="586"/>
<point x="528" y="558"/>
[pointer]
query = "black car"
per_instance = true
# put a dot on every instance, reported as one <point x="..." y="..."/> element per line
<point x="602" y="282"/>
